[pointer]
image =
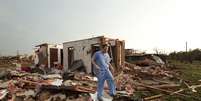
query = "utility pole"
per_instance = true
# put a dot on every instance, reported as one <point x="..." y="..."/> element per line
<point x="18" y="53"/>
<point x="188" y="57"/>
<point x="186" y="47"/>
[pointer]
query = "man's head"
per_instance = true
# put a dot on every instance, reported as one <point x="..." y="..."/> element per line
<point x="104" y="48"/>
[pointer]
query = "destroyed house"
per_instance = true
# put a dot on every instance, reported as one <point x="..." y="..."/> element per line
<point x="49" y="55"/>
<point x="84" y="49"/>
<point x="142" y="59"/>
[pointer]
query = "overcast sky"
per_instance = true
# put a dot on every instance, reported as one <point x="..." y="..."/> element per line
<point x="143" y="24"/>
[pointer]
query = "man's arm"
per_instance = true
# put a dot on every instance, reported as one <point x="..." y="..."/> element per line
<point x="111" y="67"/>
<point x="94" y="63"/>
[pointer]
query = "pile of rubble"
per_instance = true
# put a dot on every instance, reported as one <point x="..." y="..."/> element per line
<point x="154" y="81"/>
<point x="15" y="61"/>
<point x="26" y="85"/>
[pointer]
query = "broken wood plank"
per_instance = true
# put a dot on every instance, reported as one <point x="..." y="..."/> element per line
<point x="193" y="87"/>
<point x="161" y="86"/>
<point x="167" y="86"/>
<point x="153" y="97"/>
<point x="162" y="90"/>
<point x="162" y="81"/>
<point x="151" y="87"/>
<point x="178" y="91"/>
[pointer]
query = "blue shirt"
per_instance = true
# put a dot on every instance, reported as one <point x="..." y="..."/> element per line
<point x="102" y="60"/>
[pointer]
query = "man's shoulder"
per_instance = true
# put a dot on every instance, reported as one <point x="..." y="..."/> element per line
<point x="97" y="52"/>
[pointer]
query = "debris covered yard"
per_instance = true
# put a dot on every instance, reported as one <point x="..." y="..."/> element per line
<point x="66" y="74"/>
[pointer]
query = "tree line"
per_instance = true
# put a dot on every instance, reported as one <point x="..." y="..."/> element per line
<point x="189" y="56"/>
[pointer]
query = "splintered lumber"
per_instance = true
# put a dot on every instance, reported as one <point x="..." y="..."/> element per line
<point x="161" y="90"/>
<point x="161" y="81"/>
<point x="172" y="93"/>
<point x="161" y="86"/>
<point x="167" y="86"/>
<point x="85" y="89"/>
<point x="193" y="87"/>
<point x="153" y="97"/>
<point x="181" y="90"/>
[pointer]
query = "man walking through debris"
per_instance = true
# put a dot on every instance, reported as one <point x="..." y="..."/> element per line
<point x="101" y="61"/>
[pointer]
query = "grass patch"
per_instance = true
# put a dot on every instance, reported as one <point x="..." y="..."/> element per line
<point x="190" y="73"/>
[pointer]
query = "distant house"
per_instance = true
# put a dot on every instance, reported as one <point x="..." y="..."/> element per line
<point x="84" y="49"/>
<point x="48" y="54"/>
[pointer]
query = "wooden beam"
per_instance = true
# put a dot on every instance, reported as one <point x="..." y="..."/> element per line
<point x="162" y="90"/>
<point x="153" y="97"/>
